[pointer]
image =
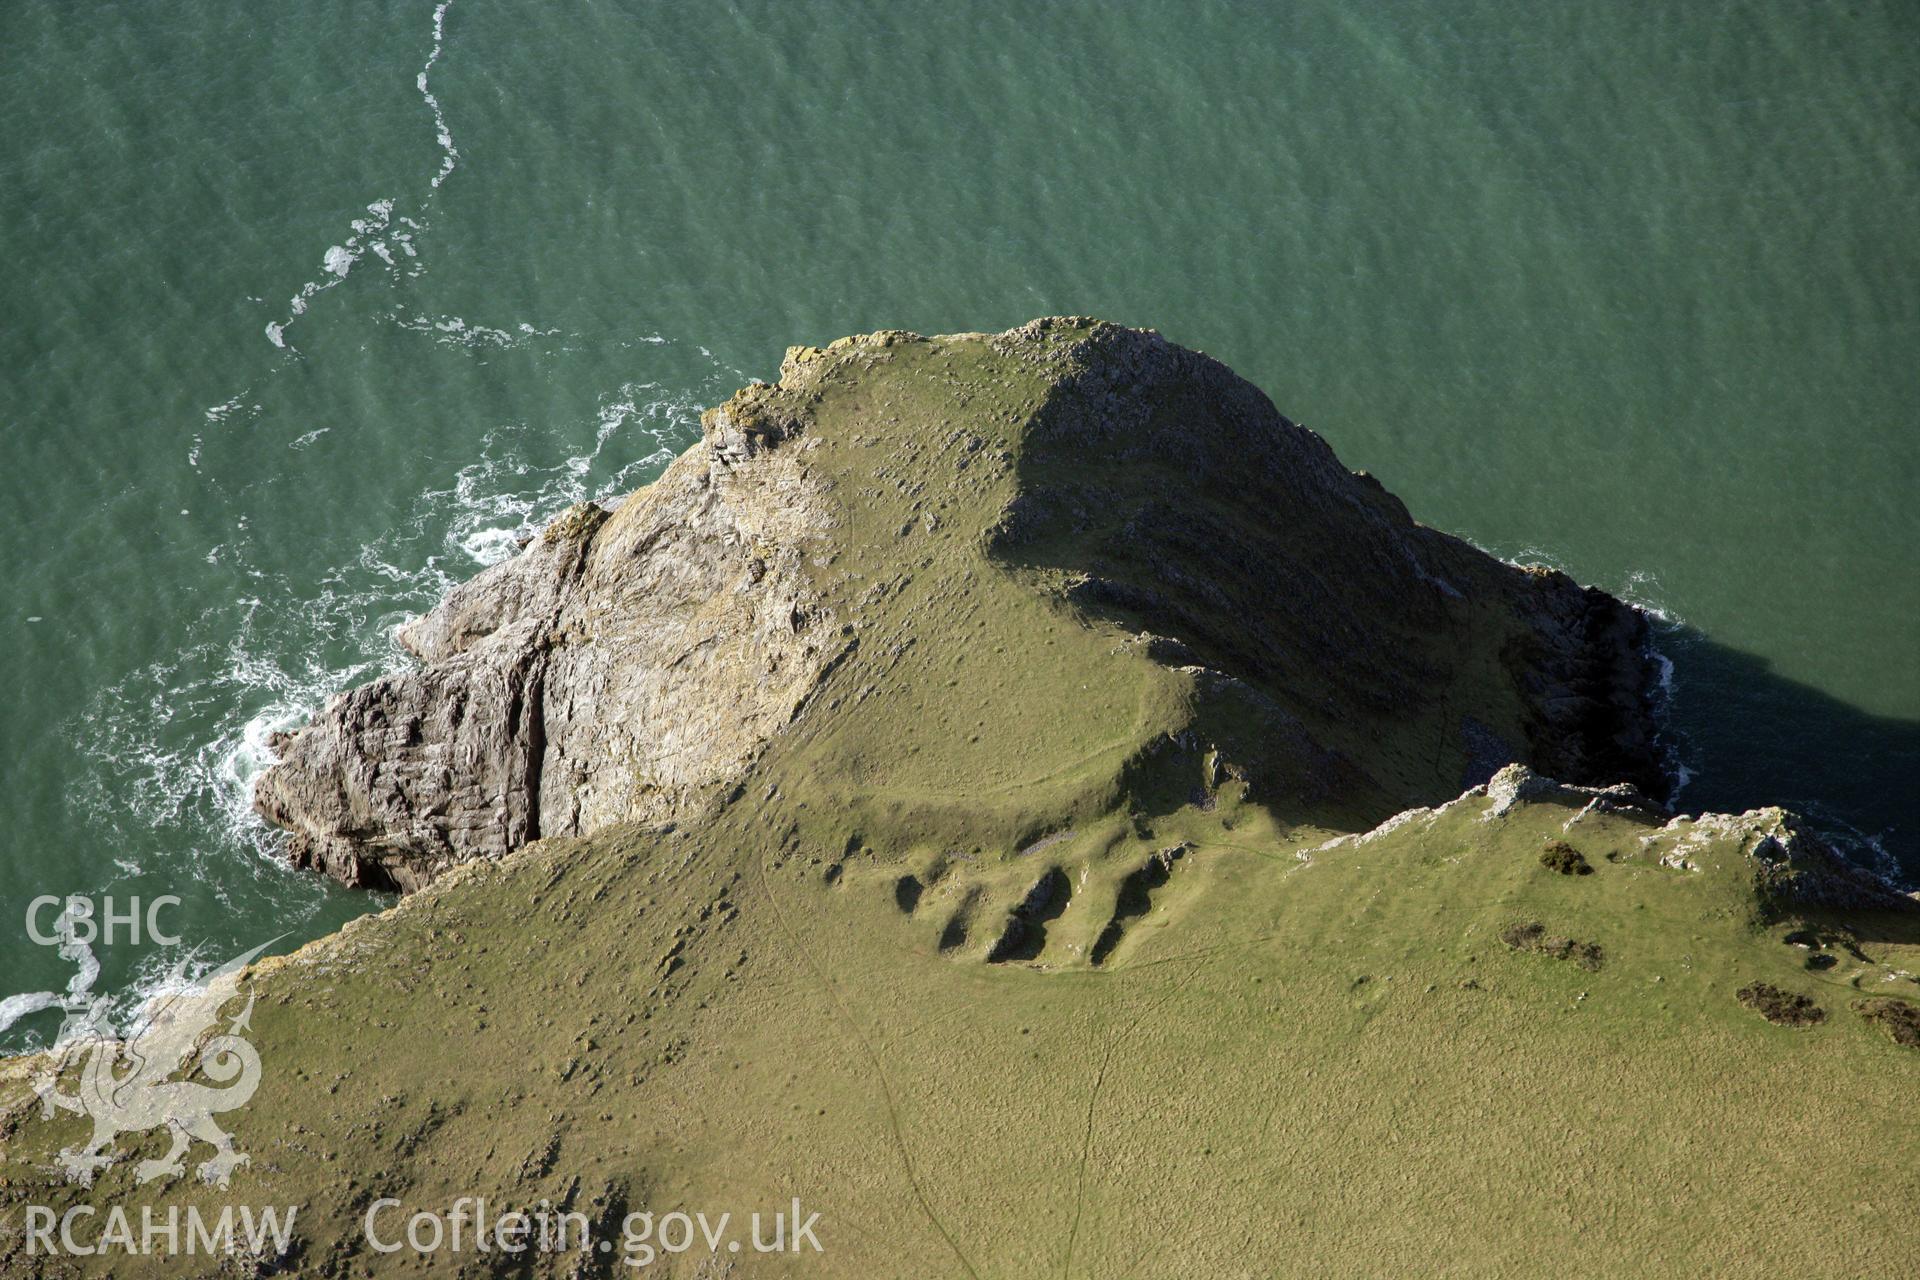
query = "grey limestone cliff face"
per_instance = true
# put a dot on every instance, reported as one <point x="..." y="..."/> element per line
<point x="625" y="666"/>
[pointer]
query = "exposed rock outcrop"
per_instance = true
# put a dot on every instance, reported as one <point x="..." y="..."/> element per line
<point x="624" y="667"/>
<point x="1791" y="867"/>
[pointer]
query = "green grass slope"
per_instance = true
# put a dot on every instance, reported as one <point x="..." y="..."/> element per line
<point x="1292" y="1062"/>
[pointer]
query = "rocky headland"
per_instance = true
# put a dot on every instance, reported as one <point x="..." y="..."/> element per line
<point x="629" y="665"/>
<point x="1022" y="795"/>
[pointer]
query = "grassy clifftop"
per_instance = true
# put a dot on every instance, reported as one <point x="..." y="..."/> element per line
<point x="1108" y="905"/>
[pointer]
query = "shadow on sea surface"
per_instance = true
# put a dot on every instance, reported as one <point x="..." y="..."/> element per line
<point x="1751" y="737"/>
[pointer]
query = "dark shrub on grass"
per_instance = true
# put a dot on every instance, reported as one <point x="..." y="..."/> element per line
<point x="1782" y="1008"/>
<point x="1898" y="1018"/>
<point x="1564" y="858"/>
<point x="1532" y="936"/>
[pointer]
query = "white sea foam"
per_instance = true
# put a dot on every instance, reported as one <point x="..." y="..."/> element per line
<point x="1528" y="557"/>
<point x="455" y="331"/>
<point x="490" y="546"/>
<point x="79" y="991"/>
<point x="335" y="263"/>
<point x="1644" y="591"/>
<point x="450" y="155"/>
<point x="1664" y="633"/>
<point x="374" y="233"/>
<point x="160" y="974"/>
<point x="14" y="1008"/>
<point x="501" y="499"/>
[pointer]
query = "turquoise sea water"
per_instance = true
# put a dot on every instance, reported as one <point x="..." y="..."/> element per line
<point x="308" y="309"/>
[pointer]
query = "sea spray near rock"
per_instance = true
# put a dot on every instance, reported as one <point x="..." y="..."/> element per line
<point x="174" y="746"/>
<point x="79" y="991"/>
<point x="182" y="741"/>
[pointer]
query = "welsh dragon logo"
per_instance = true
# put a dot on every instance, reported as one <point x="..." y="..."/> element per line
<point x="128" y="1085"/>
